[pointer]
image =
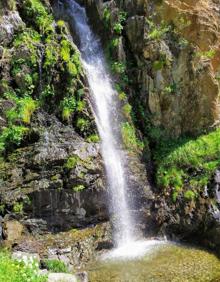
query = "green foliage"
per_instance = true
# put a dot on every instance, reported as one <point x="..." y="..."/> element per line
<point x="65" y="50"/>
<point x="48" y="92"/>
<point x="126" y="109"/>
<point x="12" y="135"/>
<point x="55" y="265"/>
<point x="18" y="271"/>
<point x="118" y="67"/>
<point x="170" y="89"/>
<point x="68" y="106"/>
<point x="157" y="32"/>
<point x="188" y="163"/>
<point x="80" y="106"/>
<point x="82" y="124"/>
<point x="18" y="208"/>
<point x="38" y="15"/>
<point x="30" y="39"/>
<point x="158" y="65"/>
<point x="78" y="188"/>
<point x="107" y="17"/>
<point x="94" y="138"/>
<point x="129" y="138"/>
<point x="189" y="195"/>
<point x="206" y="54"/>
<point x="2" y="209"/>
<point x="118" y="26"/>
<point x="72" y="162"/>
<point x="23" y="110"/>
<point x="51" y="54"/>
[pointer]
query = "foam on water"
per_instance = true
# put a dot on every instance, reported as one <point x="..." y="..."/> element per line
<point x="134" y="250"/>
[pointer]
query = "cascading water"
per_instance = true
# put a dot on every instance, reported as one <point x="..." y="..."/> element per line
<point x="105" y="108"/>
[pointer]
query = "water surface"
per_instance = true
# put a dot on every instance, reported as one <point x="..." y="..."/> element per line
<point x="169" y="263"/>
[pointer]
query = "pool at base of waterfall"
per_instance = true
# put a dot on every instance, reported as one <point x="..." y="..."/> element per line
<point x="161" y="263"/>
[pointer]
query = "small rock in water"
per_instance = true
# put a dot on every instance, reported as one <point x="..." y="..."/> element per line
<point x="61" y="277"/>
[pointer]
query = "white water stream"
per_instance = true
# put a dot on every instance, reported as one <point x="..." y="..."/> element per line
<point x="105" y="108"/>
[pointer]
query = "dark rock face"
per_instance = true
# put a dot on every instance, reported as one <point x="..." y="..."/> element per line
<point x="197" y="221"/>
<point x="37" y="176"/>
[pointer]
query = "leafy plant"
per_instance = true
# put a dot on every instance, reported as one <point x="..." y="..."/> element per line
<point x="68" y="106"/>
<point x="18" y="208"/>
<point x="82" y="124"/>
<point x="19" y="271"/>
<point x="157" y="32"/>
<point x="12" y="135"/>
<point x="55" y="265"/>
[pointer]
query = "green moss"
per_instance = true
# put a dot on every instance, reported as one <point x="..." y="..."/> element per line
<point x="78" y="188"/>
<point x="158" y="65"/>
<point x="126" y="109"/>
<point x="94" y="138"/>
<point x="189" y="195"/>
<point x="72" y="162"/>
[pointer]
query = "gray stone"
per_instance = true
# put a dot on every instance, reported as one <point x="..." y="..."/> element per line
<point x="61" y="277"/>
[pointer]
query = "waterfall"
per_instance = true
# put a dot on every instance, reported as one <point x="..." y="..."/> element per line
<point x="106" y="109"/>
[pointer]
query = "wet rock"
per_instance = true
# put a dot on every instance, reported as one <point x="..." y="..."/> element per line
<point x="9" y="24"/>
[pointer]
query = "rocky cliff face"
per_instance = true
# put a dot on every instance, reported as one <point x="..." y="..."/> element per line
<point x="164" y="57"/>
<point x="172" y="47"/>
<point x="52" y="176"/>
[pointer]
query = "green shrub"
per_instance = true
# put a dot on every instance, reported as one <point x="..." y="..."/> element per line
<point x="56" y="266"/>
